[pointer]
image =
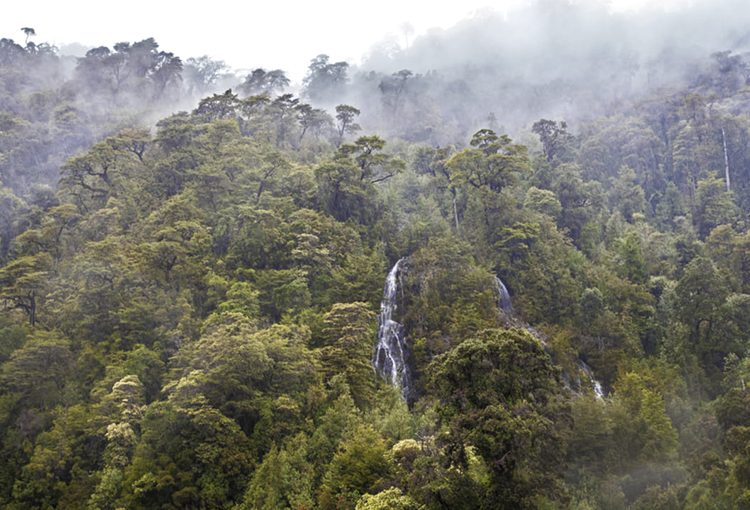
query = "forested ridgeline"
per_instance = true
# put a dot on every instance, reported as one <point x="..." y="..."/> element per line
<point x="189" y="304"/>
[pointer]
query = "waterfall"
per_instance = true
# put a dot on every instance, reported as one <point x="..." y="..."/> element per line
<point x="505" y="305"/>
<point x="596" y="385"/>
<point x="504" y="302"/>
<point x="389" y="359"/>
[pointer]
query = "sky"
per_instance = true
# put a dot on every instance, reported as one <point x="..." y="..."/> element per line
<point x="279" y="35"/>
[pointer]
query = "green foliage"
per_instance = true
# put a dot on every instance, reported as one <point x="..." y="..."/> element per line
<point x="38" y="371"/>
<point x="543" y="201"/>
<point x="356" y="467"/>
<point x="446" y="299"/>
<point x="283" y="480"/>
<point x="187" y="318"/>
<point x="346" y="182"/>
<point x="556" y="140"/>
<point x="714" y="206"/>
<point x="653" y="437"/>
<point x="191" y="455"/>
<point x="21" y="280"/>
<point x="500" y="393"/>
<point x="247" y="374"/>
<point x="348" y="333"/>
<point x="388" y="499"/>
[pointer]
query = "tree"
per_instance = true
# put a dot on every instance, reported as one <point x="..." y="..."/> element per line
<point x="358" y="464"/>
<point x="218" y="106"/>
<point x="393" y="89"/>
<point x="556" y="141"/>
<point x="580" y="200"/>
<point x="203" y="72"/>
<point x="486" y="172"/>
<point x="342" y="195"/>
<point x="699" y="295"/>
<point x="349" y="337"/>
<point x="138" y="69"/>
<point x="433" y="162"/>
<point x="642" y="425"/>
<point x="21" y="280"/>
<point x="389" y="499"/>
<point x="140" y="56"/>
<point x="101" y="69"/>
<point x="238" y="370"/>
<point x="312" y="120"/>
<point x="283" y="480"/>
<point x="346" y="181"/>
<point x="48" y="238"/>
<point x="494" y="163"/>
<point x="713" y="205"/>
<point x="283" y="112"/>
<point x="92" y="178"/>
<point x="188" y="456"/>
<point x="375" y="166"/>
<point x="325" y="82"/>
<point x="38" y="371"/>
<point x="11" y="209"/>
<point x="29" y="32"/>
<point x="730" y="72"/>
<point x="543" y="201"/>
<point x="626" y="195"/>
<point x="167" y="69"/>
<point x="345" y="115"/>
<point x="260" y="81"/>
<point x="500" y="393"/>
<point x="633" y="266"/>
<point x="272" y="166"/>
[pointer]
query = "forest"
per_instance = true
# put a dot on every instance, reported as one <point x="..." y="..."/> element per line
<point x="193" y="265"/>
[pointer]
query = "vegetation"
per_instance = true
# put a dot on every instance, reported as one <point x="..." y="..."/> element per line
<point x="188" y="311"/>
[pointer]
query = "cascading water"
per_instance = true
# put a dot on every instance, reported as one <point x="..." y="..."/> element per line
<point x="506" y="306"/>
<point x="597" y="386"/>
<point x="390" y="357"/>
<point x="391" y="353"/>
<point x="504" y="302"/>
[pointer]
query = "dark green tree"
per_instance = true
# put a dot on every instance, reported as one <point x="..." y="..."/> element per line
<point x="349" y="332"/>
<point x="556" y="141"/>
<point x="500" y="394"/>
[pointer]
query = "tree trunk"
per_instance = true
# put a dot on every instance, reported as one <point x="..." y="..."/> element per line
<point x="726" y="157"/>
<point x="32" y="308"/>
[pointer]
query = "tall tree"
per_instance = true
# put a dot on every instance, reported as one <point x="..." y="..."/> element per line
<point x="29" y="33"/>
<point x="202" y="73"/>
<point x="325" y="81"/>
<point x="21" y="283"/>
<point x="556" y="141"/>
<point x="500" y="394"/>
<point x="349" y="335"/>
<point x="345" y="116"/>
<point x="260" y="81"/>
<point x="493" y="163"/>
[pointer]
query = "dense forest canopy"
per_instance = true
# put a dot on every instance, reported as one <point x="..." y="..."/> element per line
<point x="192" y="266"/>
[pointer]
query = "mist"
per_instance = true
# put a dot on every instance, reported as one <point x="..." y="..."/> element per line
<point x="559" y="60"/>
<point x="550" y="59"/>
<point x="192" y="256"/>
<point x="547" y="59"/>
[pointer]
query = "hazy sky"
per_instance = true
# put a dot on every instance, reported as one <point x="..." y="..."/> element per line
<point x="252" y="34"/>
